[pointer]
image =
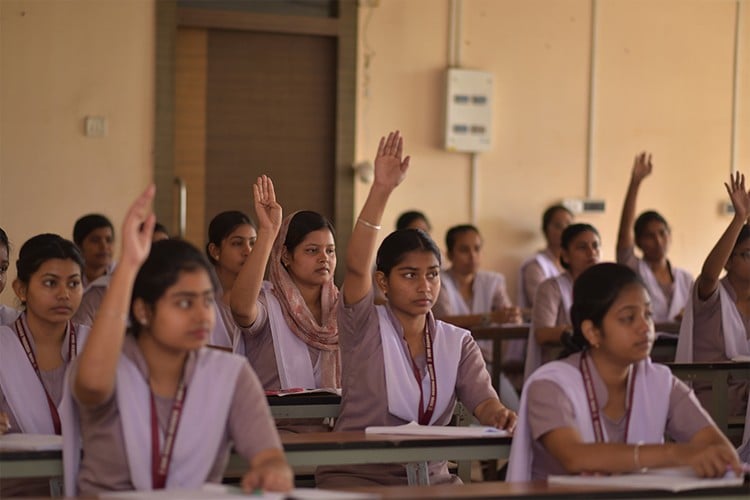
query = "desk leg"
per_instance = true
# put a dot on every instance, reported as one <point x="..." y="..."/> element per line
<point x="720" y="397"/>
<point x="418" y="474"/>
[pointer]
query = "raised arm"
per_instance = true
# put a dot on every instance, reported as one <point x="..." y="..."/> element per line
<point x="244" y="297"/>
<point x="719" y="255"/>
<point x="642" y="168"/>
<point x="97" y="364"/>
<point x="390" y="170"/>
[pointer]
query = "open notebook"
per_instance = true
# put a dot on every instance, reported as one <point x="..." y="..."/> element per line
<point x="413" y="428"/>
<point x="670" y="479"/>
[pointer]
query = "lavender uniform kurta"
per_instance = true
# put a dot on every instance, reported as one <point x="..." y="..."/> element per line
<point x="365" y="394"/>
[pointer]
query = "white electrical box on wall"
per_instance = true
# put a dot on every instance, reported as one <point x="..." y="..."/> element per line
<point x="468" y="111"/>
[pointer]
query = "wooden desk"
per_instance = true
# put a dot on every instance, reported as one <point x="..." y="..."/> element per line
<point x="343" y="448"/>
<point x="498" y="333"/>
<point x="540" y="489"/>
<point x="311" y="449"/>
<point x="313" y="405"/>
<point x="717" y="373"/>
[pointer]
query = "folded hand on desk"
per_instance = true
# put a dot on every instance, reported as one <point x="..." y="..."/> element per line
<point x="268" y="471"/>
<point x="491" y="412"/>
<point x="4" y="423"/>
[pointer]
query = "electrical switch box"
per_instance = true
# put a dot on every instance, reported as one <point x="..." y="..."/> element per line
<point x="468" y="115"/>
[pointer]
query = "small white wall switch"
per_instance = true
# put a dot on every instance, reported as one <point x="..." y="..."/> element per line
<point x="95" y="126"/>
<point x="468" y="111"/>
<point x="580" y="205"/>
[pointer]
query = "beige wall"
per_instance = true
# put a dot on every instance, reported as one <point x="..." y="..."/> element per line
<point x="60" y="61"/>
<point x="663" y="84"/>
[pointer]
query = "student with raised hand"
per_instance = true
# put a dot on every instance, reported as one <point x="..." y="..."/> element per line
<point x="7" y="314"/>
<point x="716" y="323"/>
<point x="153" y="392"/>
<point x="606" y="407"/>
<point x="669" y="287"/>
<point x="231" y="237"/>
<point x="551" y="314"/>
<point x="37" y="347"/>
<point x="289" y="322"/>
<point x="399" y="363"/>
<point x="94" y="235"/>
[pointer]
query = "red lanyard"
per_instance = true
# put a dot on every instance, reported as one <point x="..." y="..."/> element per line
<point x="160" y="461"/>
<point x="594" y="405"/>
<point x="23" y="336"/>
<point x="426" y="414"/>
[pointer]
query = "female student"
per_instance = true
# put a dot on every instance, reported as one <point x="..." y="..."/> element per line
<point x="669" y="287"/>
<point x="550" y="317"/>
<point x="400" y="364"/>
<point x="231" y="236"/>
<point x="716" y="324"/>
<point x="289" y="321"/>
<point x="94" y="235"/>
<point x="7" y="314"/>
<point x="413" y="219"/>
<point x="37" y="347"/>
<point x="545" y="263"/>
<point x="152" y="414"/>
<point x="605" y="409"/>
<point x="467" y="291"/>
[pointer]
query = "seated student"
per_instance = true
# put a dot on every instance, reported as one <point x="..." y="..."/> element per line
<point x="605" y="408"/>
<point x="289" y="321"/>
<point x="231" y="236"/>
<point x="545" y="263"/>
<point x="38" y="346"/>
<point x="159" y="380"/>
<point x="551" y="314"/>
<point x="716" y="324"/>
<point x="160" y="233"/>
<point x="7" y="314"/>
<point x="94" y="236"/>
<point x="384" y="347"/>
<point x="413" y="219"/>
<point x="669" y="287"/>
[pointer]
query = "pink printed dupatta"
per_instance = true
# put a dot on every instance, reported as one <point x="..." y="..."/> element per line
<point x="301" y="322"/>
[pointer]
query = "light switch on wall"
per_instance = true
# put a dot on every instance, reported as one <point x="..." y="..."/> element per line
<point x="95" y="126"/>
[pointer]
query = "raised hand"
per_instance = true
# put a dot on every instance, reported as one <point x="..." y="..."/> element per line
<point x="136" y="239"/>
<point x="642" y="166"/>
<point x="739" y="195"/>
<point x="267" y="210"/>
<point x="390" y="168"/>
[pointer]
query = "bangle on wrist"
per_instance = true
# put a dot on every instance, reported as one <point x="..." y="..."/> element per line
<point x="637" y="458"/>
<point x="369" y="224"/>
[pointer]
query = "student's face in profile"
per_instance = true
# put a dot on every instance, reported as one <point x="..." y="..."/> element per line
<point x="654" y="241"/>
<point x="53" y="292"/>
<point x="466" y="254"/>
<point x="627" y="332"/>
<point x="582" y="253"/>
<point x="412" y="287"/>
<point x="184" y="316"/>
<point x="96" y="248"/>
<point x="235" y="248"/>
<point x="4" y="263"/>
<point x="738" y="264"/>
<point x="557" y="224"/>
<point x="313" y="261"/>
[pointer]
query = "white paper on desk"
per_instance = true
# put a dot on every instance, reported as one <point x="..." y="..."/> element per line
<point x="218" y="491"/>
<point x="741" y="357"/>
<point x="667" y="335"/>
<point x="31" y="442"/>
<point x="670" y="479"/>
<point x="413" y="428"/>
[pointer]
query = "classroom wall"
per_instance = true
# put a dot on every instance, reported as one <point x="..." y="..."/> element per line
<point x="663" y="84"/>
<point x="59" y="62"/>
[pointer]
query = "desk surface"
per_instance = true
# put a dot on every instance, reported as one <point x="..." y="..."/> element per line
<point x="540" y="489"/>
